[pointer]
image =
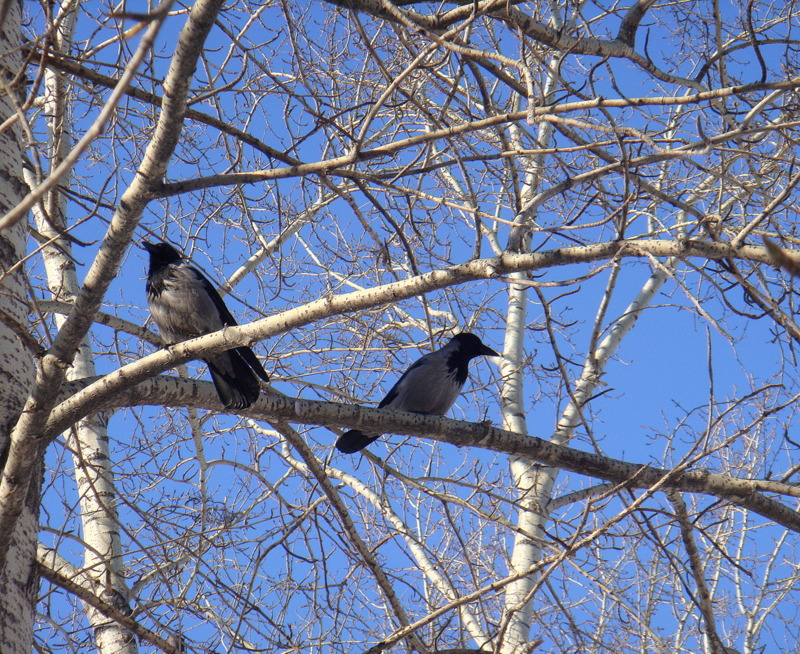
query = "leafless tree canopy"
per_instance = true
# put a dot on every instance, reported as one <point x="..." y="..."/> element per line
<point x="586" y="185"/>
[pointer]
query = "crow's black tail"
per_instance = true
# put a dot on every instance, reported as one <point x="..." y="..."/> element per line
<point x="352" y="441"/>
<point x="234" y="379"/>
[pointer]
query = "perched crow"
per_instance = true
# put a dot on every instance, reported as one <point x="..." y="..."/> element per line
<point x="184" y="305"/>
<point x="430" y="386"/>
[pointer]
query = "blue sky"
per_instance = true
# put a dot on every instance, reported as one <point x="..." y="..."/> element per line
<point x="657" y="386"/>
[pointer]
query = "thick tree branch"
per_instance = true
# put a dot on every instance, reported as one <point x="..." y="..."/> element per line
<point x="630" y="23"/>
<point x="172" y="391"/>
<point x="95" y="397"/>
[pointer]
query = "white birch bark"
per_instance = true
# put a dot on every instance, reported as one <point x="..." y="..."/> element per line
<point x="88" y="441"/>
<point x="535" y="482"/>
<point x="532" y="482"/>
<point x="19" y="582"/>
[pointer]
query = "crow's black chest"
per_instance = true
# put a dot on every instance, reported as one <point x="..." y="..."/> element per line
<point x="458" y="367"/>
<point x="157" y="281"/>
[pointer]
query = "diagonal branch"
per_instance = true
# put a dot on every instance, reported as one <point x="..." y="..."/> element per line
<point x="704" y="600"/>
<point x="102" y="393"/>
<point x="630" y="23"/>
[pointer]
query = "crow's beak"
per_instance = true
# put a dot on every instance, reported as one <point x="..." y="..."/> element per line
<point x="146" y="245"/>
<point x="487" y="351"/>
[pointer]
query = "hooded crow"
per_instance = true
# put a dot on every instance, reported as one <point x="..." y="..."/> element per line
<point x="430" y="386"/>
<point x="184" y="305"/>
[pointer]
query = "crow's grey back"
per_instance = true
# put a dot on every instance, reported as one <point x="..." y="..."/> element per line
<point x="428" y="386"/>
<point x="183" y="308"/>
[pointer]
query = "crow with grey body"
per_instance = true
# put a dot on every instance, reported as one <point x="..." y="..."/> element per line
<point x="430" y="386"/>
<point x="184" y="305"/>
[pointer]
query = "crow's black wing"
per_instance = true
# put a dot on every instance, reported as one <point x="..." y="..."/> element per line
<point x="227" y="319"/>
<point x="394" y="391"/>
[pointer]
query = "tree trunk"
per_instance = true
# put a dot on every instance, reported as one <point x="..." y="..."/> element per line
<point x="19" y="581"/>
<point x="88" y="440"/>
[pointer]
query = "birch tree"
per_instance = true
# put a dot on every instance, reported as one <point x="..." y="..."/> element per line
<point x="587" y="186"/>
<point x="18" y="585"/>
